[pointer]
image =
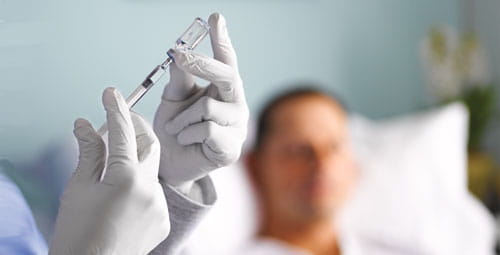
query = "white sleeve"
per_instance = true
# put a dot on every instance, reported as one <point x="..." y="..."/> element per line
<point x="185" y="213"/>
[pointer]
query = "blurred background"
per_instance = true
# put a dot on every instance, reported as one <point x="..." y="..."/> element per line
<point x="385" y="58"/>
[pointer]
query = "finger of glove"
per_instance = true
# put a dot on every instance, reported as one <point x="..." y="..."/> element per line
<point x="221" y="43"/>
<point x="207" y="132"/>
<point x="92" y="151"/>
<point x="204" y="109"/>
<point x="219" y="143"/>
<point x="223" y="76"/>
<point x="180" y="86"/>
<point x="121" y="135"/>
<point x="148" y="146"/>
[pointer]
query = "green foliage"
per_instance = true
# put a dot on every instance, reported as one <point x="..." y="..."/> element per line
<point x="481" y="101"/>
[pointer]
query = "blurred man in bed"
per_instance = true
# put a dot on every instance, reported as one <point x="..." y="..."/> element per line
<point x="303" y="173"/>
<point x="302" y="169"/>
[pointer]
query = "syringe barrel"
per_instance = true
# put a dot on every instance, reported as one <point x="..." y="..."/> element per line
<point x="195" y="33"/>
<point x="131" y="100"/>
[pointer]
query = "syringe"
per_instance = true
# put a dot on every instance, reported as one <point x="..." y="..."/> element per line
<point x="195" y="33"/>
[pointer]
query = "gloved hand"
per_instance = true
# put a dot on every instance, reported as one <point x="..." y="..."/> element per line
<point x="125" y="211"/>
<point x="201" y="128"/>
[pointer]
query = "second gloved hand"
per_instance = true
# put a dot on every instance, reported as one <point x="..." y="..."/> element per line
<point x="201" y="128"/>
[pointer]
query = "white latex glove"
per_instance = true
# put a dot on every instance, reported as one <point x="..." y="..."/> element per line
<point x="201" y="128"/>
<point x="125" y="212"/>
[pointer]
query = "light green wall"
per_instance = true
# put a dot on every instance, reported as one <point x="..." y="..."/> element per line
<point x="56" y="56"/>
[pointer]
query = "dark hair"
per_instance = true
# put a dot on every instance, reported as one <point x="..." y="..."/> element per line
<point x="264" y="118"/>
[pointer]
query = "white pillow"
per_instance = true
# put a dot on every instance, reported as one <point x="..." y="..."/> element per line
<point x="412" y="195"/>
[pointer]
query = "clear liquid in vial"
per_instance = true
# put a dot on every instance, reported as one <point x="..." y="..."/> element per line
<point x="193" y="35"/>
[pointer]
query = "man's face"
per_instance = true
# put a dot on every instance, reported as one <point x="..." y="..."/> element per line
<point x="304" y="167"/>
